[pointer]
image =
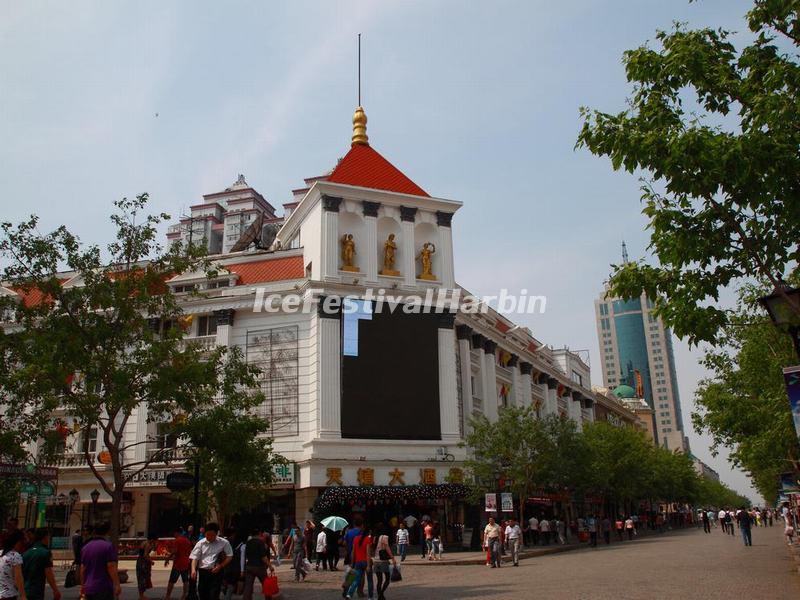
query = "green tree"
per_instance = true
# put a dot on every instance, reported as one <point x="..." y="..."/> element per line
<point x="532" y="454"/>
<point x="744" y="405"/>
<point x="104" y="340"/>
<point x="620" y="462"/>
<point x="713" y="493"/>
<point x="234" y="454"/>
<point x="715" y="129"/>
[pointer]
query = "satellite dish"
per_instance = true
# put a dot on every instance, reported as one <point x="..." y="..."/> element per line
<point x="268" y="234"/>
<point x="251" y="234"/>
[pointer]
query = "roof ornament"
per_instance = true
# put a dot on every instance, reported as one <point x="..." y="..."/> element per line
<point x="624" y="253"/>
<point x="360" y="127"/>
<point x="360" y="117"/>
<point x="239" y="184"/>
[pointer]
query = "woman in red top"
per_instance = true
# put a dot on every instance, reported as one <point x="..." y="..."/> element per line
<point x="362" y="562"/>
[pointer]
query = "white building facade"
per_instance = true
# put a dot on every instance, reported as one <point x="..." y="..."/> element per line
<point x="368" y="405"/>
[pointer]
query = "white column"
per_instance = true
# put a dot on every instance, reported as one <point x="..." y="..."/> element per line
<point x="330" y="237"/>
<point x="489" y="373"/>
<point x="224" y="326"/>
<point x="448" y="390"/>
<point x="464" y="333"/>
<point x="575" y="409"/>
<point x="525" y="384"/>
<point x="329" y="380"/>
<point x="370" y="246"/>
<point x="552" y="400"/>
<point x="446" y="251"/>
<point x="409" y="266"/>
<point x="140" y="450"/>
<point x="516" y="383"/>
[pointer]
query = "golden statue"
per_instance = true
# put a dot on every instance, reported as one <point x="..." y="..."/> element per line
<point x="389" y="250"/>
<point x="348" y="253"/>
<point x="426" y="256"/>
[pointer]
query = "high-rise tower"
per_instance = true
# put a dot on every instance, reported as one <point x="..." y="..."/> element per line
<point x="636" y="350"/>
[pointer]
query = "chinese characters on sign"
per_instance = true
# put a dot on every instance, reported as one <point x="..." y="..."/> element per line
<point x="456" y="475"/>
<point x="334" y="475"/>
<point x="154" y="478"/>
<point x="397" y="477"/>
<point x="366" y="477"/>
<point x="427" y="476"/>
<point x="283" y="474"/>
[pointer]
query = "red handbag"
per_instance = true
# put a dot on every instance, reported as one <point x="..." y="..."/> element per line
<point x="270" y="586"/>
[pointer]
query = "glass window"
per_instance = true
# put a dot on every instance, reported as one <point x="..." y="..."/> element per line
<point x="207" y="325"/>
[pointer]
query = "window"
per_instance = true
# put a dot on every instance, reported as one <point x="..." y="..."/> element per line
<point x="604" y="309"/>
<point x="576" y="377"/>
<point x="223" y="283"/>
<point x="89" y="440"/>
<point x="184" y="288"/>
<point x="207" y="325"/>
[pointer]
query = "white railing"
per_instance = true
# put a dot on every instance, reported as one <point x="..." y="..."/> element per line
<point x="205" y="343"/>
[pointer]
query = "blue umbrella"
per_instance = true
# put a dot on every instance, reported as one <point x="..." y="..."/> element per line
<point x="334" y="523"/>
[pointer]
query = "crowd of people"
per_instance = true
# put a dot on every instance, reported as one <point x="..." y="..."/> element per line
<point x="728" y="520"/>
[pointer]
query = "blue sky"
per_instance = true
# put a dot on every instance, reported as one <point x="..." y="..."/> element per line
<point x="475" y="101"/>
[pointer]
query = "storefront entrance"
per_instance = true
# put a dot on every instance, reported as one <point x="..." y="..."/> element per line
<point x="165" y="513"/>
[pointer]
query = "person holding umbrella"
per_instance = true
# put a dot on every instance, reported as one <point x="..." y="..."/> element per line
<point x="333" y="525"/>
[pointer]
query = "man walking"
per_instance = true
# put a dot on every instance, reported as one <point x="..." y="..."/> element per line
<point x="745" y="523"/>
<point x="491" y="541"/>
<point x="37" y="567"/>
<point x="206" y="564"/>
<point x="722" y="521"/>
<point x="514" y="540"/>
<point x="533" y="527"/>
<point x="706" y="522"/>
<point x="255" y="562"/>
<point x="182" y="547"/>
<point x="606" y="526"/>
<point x="591" y="523"/>
<point x="99" y="576"/>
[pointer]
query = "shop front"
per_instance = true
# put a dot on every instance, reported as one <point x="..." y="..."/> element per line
<point x="383" y="496"/>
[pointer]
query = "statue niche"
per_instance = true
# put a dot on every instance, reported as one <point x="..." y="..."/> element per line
<point x="348" y="253"/>
<point x="426" y="258"/>
<point x="389" y="252"/>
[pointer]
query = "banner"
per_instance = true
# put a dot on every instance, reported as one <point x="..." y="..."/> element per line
<point x="507" y="502"/>
<point x="791" y="376"/>
<point x="491" y="502"/>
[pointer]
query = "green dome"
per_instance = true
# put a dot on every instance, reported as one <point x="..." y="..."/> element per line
<point x="624" y="391"/>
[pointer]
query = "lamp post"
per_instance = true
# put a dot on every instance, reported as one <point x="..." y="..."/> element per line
<point x="95" y="496"/>
<point x="783" y="307"/>
<point x="74" y="496"/>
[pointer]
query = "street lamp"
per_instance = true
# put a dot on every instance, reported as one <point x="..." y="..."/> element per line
<point x="783" y="307"/>
<point x="73" y="497"/>
<point x="95" y="496"/>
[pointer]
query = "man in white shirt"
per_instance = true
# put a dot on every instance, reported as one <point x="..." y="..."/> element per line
<point x="544" y="529"/>
<point x="533" y="527"/>
<point x="721" y="517"/>
<point x="491" y="541"/>
<point x="210" y="555"/>
<point x="514" y="540"/>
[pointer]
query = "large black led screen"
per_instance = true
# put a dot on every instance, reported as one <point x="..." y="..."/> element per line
<point x="390" y="374"/>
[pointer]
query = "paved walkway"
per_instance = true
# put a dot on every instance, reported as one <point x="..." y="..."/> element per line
<point x="684" y="564"/>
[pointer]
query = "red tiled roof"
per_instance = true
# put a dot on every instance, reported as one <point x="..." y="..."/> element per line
<point x="363" y="166"/>
<point x="262" y="271"/>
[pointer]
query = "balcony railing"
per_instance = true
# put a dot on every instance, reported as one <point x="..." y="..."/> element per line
<point x="70" y="459"/>
<point x="206" y="343"/>
<point x="166" y="455"/>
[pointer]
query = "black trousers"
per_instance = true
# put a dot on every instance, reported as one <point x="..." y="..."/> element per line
<point x="208" y="584"/>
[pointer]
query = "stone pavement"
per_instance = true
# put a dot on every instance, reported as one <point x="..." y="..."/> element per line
<point x="684" y="564"/>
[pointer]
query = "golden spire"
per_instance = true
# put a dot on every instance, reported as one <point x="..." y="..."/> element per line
<point x="360" y="127"/>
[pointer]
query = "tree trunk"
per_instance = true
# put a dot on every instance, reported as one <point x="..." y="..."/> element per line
<point x="116" y="505"/>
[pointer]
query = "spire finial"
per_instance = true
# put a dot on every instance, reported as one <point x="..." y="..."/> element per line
<point x="624" y="253"/>
<point x="360" y="127"/>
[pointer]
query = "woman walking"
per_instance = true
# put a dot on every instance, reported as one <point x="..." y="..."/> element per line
<point x="362" y="563"/>
<point x="382" y="566"/>
<point x="12" y="584"/>
<point x="144" y="566"/>
<point x="436" y="541"/>
<point x="322" y="548"/>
